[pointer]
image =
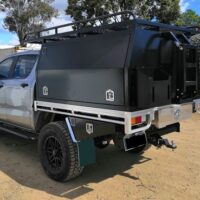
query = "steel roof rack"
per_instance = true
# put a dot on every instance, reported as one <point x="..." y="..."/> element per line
<point x="73" y="30"/>
<point x="164" y="27"/>
<point x="112" y="22"/>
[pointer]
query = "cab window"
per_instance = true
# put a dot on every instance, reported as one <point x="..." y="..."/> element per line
<point x="5" y="68"/>
<point x="24" y="66"/>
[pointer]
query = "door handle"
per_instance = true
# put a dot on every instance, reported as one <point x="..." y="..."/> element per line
<point x="1" y="86"/>
<point x="24" y="85"/>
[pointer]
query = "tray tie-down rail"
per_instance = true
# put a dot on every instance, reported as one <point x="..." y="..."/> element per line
<point x="106" y="115"/>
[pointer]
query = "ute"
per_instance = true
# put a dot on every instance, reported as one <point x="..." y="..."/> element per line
<point x="113" y="77"/>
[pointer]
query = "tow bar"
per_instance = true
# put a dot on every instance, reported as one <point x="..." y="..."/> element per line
<point x="158" y="141"/>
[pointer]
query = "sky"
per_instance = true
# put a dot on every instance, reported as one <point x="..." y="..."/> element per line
<point x="8" y="39"/>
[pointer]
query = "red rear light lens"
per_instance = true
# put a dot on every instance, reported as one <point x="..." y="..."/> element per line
<point x="139" y="120"/>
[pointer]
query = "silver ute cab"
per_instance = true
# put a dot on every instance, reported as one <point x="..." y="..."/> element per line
<point x="119" y="81"/>
<point x="17" y="82"/>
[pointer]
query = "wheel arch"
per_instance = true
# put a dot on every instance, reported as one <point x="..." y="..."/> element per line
<point x="45" y="118"/>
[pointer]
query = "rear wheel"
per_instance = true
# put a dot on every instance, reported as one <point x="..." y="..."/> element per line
<point x="58" y="154"/>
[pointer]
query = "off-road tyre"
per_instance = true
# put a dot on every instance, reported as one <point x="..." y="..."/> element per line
<point x="55" y="138"/>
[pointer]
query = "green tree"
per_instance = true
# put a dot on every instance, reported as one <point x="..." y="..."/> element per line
<point x="188" y="18"/>
<point x="168" y="11"/>
<point x="24" y="16"/>
<point x="165" y="11"/>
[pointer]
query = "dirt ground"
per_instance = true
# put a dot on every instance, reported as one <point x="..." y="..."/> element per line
<point x="157" y="174"/>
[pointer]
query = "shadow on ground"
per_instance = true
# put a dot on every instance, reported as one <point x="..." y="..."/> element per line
<point x="19" y="160"/>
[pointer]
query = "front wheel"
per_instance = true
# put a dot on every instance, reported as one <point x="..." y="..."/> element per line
<point x="58" y="154"/>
